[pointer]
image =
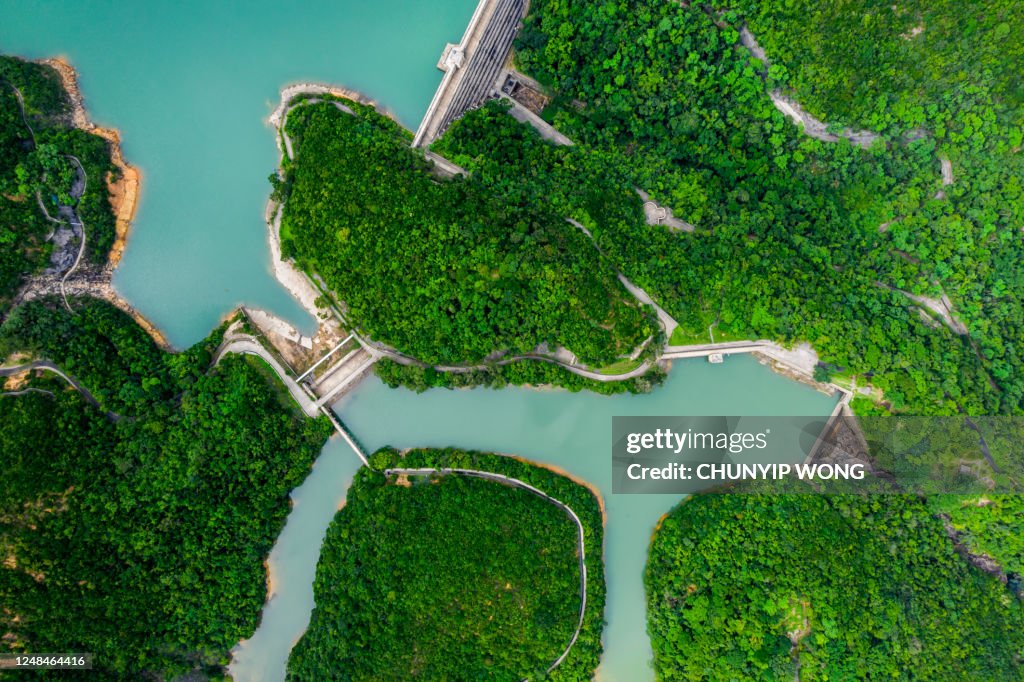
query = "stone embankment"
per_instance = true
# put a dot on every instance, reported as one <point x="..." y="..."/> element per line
<point x="88" y="280"/>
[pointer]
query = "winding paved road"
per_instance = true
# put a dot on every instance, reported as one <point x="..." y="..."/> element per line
<point x="248" y="345"/>
<point x="48" y="366"/>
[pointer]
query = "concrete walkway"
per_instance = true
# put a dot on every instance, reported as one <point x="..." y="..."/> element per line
<point x="668" y="322"/>
<point x="790" y="108"/>
<point x="402" y="359"/>
<point x="445" y="166"/>
<point x="472" y="67"/>
<point x="543" y="128"/>
<point x="47" y="366"/>
<point x="248" y="345"/>
<point x="243" y="343"/>
<point x="802" y="358"/>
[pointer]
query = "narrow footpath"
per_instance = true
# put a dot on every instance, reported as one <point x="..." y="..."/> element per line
<point x="516" y="483"/>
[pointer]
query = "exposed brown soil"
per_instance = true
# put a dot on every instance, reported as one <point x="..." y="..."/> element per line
<point x="124" y="186"/>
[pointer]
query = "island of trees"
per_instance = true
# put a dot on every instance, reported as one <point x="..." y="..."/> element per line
<point x="448" y="576"/>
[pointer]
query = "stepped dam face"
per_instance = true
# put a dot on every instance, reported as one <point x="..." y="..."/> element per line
<point x="473" y="67"/>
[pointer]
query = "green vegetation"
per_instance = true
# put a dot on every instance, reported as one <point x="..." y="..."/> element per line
<point x="623" y="366"/>
<point x="442" y="269"/>
<point x="662" y="96"/>
<point x="140" y="537"/>
<point x="990" y="525"/>
<point x="525" y="373"/>
<point x="34" y="159"/>
<point x="682" y="337"/>
<point x="394" y="601"/>
<point x="746" y="586"/>
<point x="939" y="65"/>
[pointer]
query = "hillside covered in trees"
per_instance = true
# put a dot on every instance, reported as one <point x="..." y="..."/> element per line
<point x="137" y="529"/>
<point x="36" y="143"/>
<point x="746" y="586"/>
<point x="454" y="577"/>
<point x="890" y="238"/>
<point x="799" y="238"/>
<point x="442" y="269"/>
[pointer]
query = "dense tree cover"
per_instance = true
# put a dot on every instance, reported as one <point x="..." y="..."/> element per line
<point x="990" y="525"/>
<point x="28" y="166"/>
<point x="789" y="243"/>
<point x="946" y="454"/>
<point x="141" y="537"/>
<point x="525" y="373"/>
<point x="941" y="65"/>
<point x="443" y="270"/>
<point x="839" y="587"/>
<point x="454" y="577"/>
<point x="103" y="348"/>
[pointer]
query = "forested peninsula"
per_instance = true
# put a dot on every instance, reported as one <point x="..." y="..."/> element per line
<point x="442" y="269"/>
<point x="46" y="163"/>
<point x="432" y="571"/>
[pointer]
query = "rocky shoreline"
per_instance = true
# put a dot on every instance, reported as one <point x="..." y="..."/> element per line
<point x="88" y="279"/>
<point x="123" y="190"/>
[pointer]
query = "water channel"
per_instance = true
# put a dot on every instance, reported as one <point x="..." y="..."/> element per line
<point x="571" y="431"/>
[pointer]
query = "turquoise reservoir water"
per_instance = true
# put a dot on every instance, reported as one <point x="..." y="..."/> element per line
<point x="572" y="431"/>
<point x="189" y="85"/>
<point x="292" y="566"/>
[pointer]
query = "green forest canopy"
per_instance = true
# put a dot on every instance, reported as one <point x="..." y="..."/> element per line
<point x="663" y="96"/>
<point x="140" y="538"/>
<point x="744" y="586"/>
<point x="454" y="577"/>
<point x="443" y="270"/>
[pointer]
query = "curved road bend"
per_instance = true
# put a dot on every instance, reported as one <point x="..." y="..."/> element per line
<point x="25" y="391"/>
<point x="516" y="483"/>
<point x="247" y="345"/>
<point x="48" y="366"/>
<point x="380" y="349"/>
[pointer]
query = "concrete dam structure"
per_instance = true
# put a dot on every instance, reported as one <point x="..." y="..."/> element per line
<point x="473" y="67"/>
